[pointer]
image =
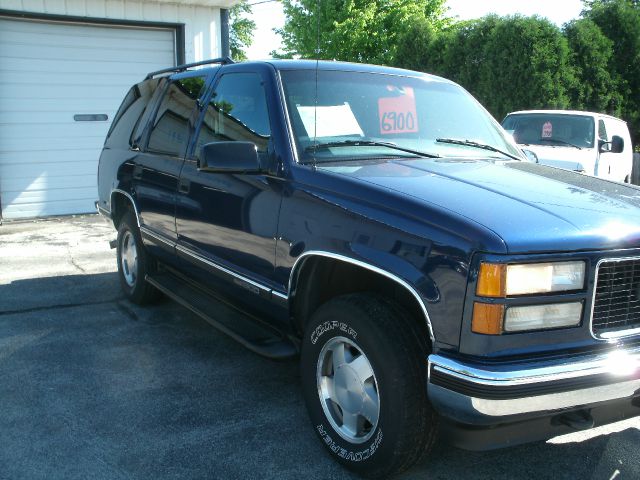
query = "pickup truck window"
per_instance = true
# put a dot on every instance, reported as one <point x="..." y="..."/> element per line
<point x="170" y="131"/>
<point x="237" y="112"/>
<point x="409" y="112"/>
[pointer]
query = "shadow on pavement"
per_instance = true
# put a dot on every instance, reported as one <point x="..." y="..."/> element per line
<point x="92" y="386"/>
<point x="49" y="292"/>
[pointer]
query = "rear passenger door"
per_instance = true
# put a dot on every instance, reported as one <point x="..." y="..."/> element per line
<point x="227" y="222"/>
<point x="156" y="169"/>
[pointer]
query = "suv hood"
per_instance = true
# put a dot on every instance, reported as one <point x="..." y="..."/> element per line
<point x="533" y="208"/>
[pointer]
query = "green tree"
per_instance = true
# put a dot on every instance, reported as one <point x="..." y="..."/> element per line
<point x="619" y="20"/>
<point x="353" y="30"/>
<point x="596" y="88"/>
<point x="508" y="63"/>
<point x="240" y="30"/>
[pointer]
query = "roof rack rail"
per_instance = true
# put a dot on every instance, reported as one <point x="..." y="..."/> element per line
<point x="182" y="68"/>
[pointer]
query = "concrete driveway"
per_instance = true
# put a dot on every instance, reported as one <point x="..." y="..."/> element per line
<point x="92" y="386"/>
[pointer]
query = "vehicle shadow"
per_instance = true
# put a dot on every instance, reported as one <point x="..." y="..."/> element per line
<point x="606" y="456"/>
<point x="58" y="292"/>
<point x="93" y="386"/>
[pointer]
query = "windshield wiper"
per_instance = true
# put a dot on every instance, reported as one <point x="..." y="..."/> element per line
<point x="563" y="142"/>
<point x="368" y="143"/>
<point x="471" y="143"/>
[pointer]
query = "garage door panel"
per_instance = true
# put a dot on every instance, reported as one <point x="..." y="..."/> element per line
<point x="63" y="119"/>
<point x="21" y="146"/>
<point x="19" y="78"/>
<point x="77" y="53"/>
<point x="29" y="157"/>
<point x="51" y="207"/>
<point x="45" y="182"/>
<point x="19" y="172"/>
<point x="48" y="73"/>
<point x="101" y="90"/>
<point x="51" y="194"/>
<point x="14" y="38"/>
<point x="54" y="67"/>
<point x="71" y="105"/>
<point x="114" y="33"/>
<point x="65" y="128"/>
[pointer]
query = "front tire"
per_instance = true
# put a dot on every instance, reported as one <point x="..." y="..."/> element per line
<point x="364" y="382"/>
<point x="134" y="263"/>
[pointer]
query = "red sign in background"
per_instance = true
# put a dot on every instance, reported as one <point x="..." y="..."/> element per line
<point x="398" y="114"/>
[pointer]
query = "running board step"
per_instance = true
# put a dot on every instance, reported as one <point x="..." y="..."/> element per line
<point x="257" y="337"/>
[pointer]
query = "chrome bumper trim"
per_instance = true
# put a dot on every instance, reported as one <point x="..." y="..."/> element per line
<point x="621" y="367"/>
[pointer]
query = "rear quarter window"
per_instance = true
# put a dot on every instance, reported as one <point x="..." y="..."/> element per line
<point x="135" y="106"/>
<point x="171" y="127"/>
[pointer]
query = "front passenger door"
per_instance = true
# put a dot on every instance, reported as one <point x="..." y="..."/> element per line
<point x="230" y="220"/>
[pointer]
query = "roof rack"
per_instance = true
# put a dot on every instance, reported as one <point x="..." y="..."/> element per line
<point x="182" y="68"/>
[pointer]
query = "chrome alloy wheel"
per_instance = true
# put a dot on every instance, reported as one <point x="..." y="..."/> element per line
<point x="129" y="258"/>
<point x="348" y="390"/>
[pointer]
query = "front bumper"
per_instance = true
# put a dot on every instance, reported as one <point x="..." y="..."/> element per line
<point x="479" y="397"/>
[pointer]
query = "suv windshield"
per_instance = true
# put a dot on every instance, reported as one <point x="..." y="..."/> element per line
<point x="354" y="115"/>
<point x="551" y="129"/>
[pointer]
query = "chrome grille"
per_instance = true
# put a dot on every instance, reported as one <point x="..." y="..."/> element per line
<point x="616" y="306"/>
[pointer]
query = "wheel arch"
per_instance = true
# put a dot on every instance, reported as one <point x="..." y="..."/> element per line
<point x="122" y="201"/>
<point x="318" y="276"/>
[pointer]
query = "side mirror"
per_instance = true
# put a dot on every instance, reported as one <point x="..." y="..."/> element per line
<point x="531" y="155"/>
<point x="616" y="145"/>
<point x="229" y="157"/>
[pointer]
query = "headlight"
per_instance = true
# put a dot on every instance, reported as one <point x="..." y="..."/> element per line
<point x="500" y="280"/>
<point x="491" y="318"/>
<point x="538" y="317"/>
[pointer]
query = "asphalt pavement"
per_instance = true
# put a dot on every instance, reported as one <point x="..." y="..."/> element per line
<point x="92" y="386"/>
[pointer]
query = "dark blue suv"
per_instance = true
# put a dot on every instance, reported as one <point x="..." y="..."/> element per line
<point x="380" y="224"/>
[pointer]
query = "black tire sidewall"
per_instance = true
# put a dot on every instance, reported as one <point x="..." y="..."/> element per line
<point x="343" y="319"/>
<point x="136" y="291"/>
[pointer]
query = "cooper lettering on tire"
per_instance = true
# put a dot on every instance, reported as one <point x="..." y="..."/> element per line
<point x="363" y="378"/>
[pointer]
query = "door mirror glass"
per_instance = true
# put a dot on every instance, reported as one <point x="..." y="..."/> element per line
<point x="229" y="157"/>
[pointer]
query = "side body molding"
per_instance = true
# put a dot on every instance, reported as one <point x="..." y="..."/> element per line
<point x="367" y="266"/>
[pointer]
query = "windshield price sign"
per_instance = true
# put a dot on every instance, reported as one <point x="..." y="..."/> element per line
<point x="398" y="114"/>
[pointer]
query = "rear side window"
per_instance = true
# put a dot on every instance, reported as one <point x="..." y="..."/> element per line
<point x="237" y="112"/>
<point x="134" y="107"/>
<point x="170" y="130"/>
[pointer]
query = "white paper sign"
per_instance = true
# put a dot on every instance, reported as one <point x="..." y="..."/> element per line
<point x="329" y="121"/>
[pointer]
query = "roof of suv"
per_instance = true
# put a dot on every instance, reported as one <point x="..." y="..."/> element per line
<point x="280" y="64"/>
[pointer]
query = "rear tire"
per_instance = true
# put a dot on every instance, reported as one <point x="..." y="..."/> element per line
<point x="134" y="263"/>
<point x="364" y="382"/>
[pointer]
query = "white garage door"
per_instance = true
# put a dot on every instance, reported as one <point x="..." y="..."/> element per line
<point x="57" y="81"/>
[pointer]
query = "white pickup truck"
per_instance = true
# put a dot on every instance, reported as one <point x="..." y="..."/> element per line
<point x="586" y="142"/>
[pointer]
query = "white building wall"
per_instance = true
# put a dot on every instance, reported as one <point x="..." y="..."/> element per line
<point x="201" y="17"/>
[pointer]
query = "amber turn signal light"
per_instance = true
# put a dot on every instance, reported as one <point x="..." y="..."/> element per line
<point x="492" y="280"/>
<point x="487" y="318"/>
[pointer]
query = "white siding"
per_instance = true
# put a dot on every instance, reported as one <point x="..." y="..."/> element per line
<point x="48" y="73"/>
<point x="201" y="18"/>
